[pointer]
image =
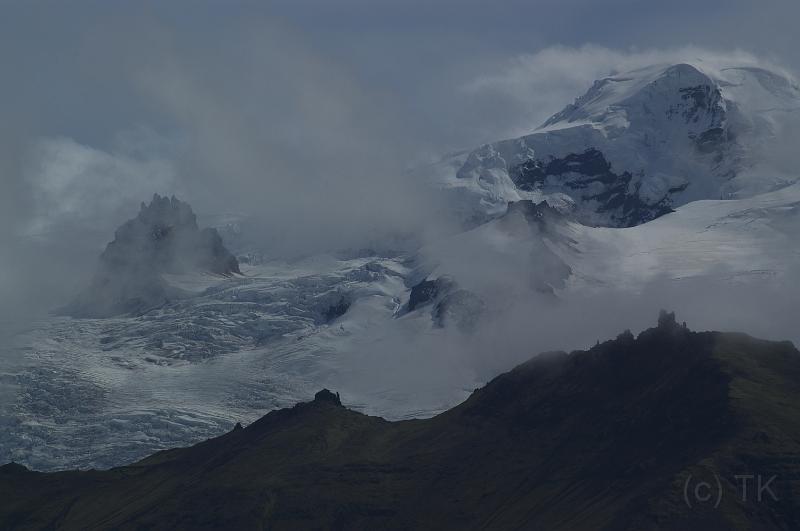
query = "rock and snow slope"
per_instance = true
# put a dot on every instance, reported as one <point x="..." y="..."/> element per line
<point x="638" y="144"/>
<point x="678" y="143"/>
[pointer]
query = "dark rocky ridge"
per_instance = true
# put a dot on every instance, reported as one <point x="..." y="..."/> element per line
<point x="600" y="439"/>
<point x="163" y="238"/>
<point x="428" y="291"/>
<point x="577" y="172"/>
<point x="449" y="303"/>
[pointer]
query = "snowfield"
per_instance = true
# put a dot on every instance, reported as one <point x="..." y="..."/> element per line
<point x="753" y="237"/>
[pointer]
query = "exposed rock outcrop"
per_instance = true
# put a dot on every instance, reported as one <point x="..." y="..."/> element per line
<point x="326" y="395"/>
<point x="162" y="238"/>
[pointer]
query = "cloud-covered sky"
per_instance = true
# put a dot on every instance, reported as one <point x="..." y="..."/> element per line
<point x="307" y="116"/>
<point x="306" y="113"/>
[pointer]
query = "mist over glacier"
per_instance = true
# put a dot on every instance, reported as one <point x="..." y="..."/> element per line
<point x="311" y="152"/>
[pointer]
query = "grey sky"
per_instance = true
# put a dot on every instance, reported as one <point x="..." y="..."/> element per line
<point x="308" y="111"/>
<point x="68" y="59"/>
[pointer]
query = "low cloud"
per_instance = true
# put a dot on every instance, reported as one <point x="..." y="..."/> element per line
<point x="532" y="87"/>
<point x="424" y="365"/>
<point x="79" y="188"/>
<point x="263" y="121"/>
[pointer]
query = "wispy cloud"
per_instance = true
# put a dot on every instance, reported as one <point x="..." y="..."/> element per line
<point x="531" y="87"/>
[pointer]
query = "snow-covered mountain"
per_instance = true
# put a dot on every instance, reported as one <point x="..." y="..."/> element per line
<point x="651" y="176"/>
<point x="638" y="144"/>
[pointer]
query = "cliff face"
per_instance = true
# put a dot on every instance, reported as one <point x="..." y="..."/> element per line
<point x="616" y="437"/>
<point x="165" y="237"/>
<point x="162" y="238"/>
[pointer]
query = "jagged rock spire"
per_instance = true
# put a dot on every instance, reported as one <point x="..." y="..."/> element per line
<point x="162" y="238"/>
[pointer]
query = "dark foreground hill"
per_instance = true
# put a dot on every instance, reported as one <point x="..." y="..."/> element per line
<point x="670" y="430"/>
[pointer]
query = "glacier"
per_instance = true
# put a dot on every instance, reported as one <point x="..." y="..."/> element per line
<point x="652" y="175"/>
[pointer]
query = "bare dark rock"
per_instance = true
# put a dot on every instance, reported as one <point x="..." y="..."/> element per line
<point x="326" y="395"/>
<point x="578" y="173"/>
<point x="162" y="238"/>
<point x="666" y="320"/>
<point x="337" y="310"/>
<point x="428" y="291"/>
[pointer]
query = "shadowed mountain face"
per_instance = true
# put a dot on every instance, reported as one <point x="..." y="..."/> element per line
<point x="163" y="238"/>
<point x="589" y="176"/>
<point x="616" y="437"/>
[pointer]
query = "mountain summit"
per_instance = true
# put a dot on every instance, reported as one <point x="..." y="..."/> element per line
<point x="637" y="144"/>
<point x="163" y="238"/>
